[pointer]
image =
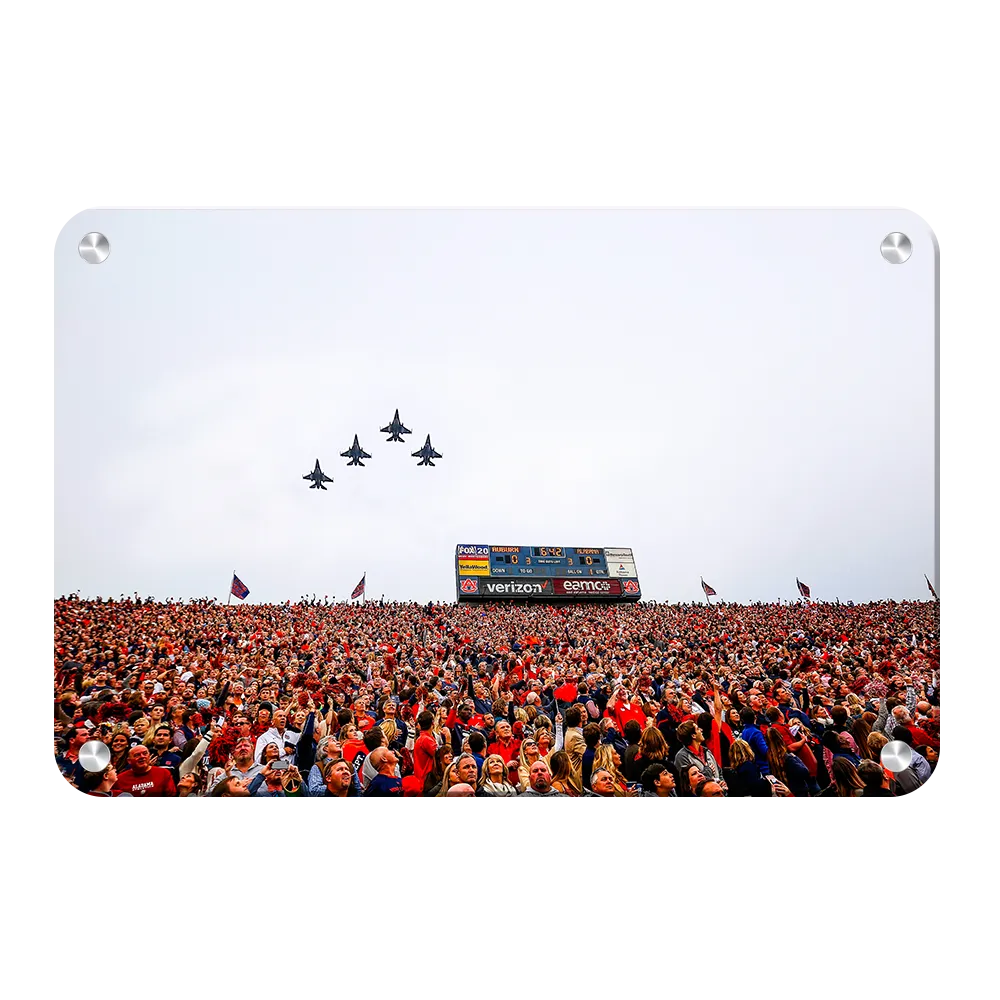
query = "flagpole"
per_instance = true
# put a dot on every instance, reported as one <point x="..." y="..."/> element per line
<point x="228" y="599"/>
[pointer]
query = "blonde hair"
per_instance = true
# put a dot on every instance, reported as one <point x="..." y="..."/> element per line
<point x="484" y="776"/>
<point x="389" y="728"/>
<point x="740" y="752"/>
<point x="446" y="781"/>
<point x="523" y="757"/>
<point x="604" y="761"/>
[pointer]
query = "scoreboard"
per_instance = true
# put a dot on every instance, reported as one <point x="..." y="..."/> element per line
<point x="544" y="572"/>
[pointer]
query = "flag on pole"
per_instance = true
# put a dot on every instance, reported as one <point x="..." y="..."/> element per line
<point x="803" y="589"/>
<point x="930" y="587"/>
<point x="709" y="592"/>
<point x="239" y="588"/>
<point x="359" y="589"/>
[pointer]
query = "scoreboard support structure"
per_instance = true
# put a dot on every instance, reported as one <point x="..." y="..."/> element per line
<point x="546" y="573"/>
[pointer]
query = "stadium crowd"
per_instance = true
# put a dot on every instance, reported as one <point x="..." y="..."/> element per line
<point x="506" y="700"/>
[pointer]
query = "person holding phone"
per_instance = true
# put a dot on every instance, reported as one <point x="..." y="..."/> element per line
<point x="786" y="768"/>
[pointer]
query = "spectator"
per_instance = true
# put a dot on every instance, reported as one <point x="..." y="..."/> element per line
<point x="786" y="767"/>
<point x="443" y="758"/>
<point x="592" y="739"/>
<point x="917" y="760"/>
<point x="827" y="677"/>
<point x="743" y="777"/>
<point x="540" y="781"/>
<point x="561" y="774"/>
<point x="528" y="755"/>
<point x="232" y="788"/>
<point x="603" y="783"/>
<point x="338" y="777"/>
<point x="693" y="753"/>
<point x="846" y="782"/>
<point x="505" y="745"/>
<point x="575" y="745"/>
<point x="493" y="781"/>
<point x="658" y="782"/>
<point x="875" y="779"/>
<point x="477" y="747"/>
<point x="709" y="790"/>
<point x="652" y="749"/>
<point x="386" y="783"/>
<point x="100" y="783"/>
<point x="143" y="778"/>
<point x="751" y="735"/>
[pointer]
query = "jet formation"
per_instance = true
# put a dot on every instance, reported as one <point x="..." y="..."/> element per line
<point x="426" y="453"/>
<point x="356" y="453"/>
<point x="318" y="477"/>
<point x="395" y="428"/>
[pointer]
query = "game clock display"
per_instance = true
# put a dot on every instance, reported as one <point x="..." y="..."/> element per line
<point x="545" y="572"/>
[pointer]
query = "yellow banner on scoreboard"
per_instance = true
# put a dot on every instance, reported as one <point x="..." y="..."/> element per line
<point x="474" y="567"/>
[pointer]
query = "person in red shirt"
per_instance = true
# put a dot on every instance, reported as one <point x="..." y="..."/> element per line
<point x="505" y="745"/>
<point x="621" y="710"/>
<point x="465" y="716"/>
<point x="351" y="743"/>
<point x="424" y="751"/>
<point x="142" y="779"/>
<point x="362" y="716"/>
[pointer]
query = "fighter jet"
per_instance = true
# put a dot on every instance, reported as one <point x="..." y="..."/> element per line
<point x="395" y="429"/>
<point x="427" y="453"/>
<point x="318" y="478"/>
<point x="355" y="453"/>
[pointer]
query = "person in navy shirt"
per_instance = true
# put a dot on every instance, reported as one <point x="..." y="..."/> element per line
<point x="385" y="783"/>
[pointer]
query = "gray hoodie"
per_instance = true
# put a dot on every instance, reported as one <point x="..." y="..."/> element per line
<point x="550" y="794"/>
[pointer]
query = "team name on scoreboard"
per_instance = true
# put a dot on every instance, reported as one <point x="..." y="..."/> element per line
<point x="482" y="551"/>
<point x="545" y="572"/>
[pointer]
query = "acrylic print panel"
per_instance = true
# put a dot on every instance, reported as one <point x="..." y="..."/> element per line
<point x="671" y="362"/>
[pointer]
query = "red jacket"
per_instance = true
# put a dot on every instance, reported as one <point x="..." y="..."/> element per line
<point x="509" y="751"/>
<point x="920" y="738"/>
<point x="623" y="711"/>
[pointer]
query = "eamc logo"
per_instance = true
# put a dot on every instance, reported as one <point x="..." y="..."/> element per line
<point x="470" y="586"/>
<point x="474" y="550"/>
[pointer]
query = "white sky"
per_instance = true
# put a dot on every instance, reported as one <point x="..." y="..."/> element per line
<point x="743" y="395"/>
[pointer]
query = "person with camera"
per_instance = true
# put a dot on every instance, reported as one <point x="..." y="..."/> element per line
<point x="277" y="779"/>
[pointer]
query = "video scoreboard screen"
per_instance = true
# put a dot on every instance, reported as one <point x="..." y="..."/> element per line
<point x="544" y="572"/>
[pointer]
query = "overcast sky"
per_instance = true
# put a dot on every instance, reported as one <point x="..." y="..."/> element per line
<point x="744" y="396"/>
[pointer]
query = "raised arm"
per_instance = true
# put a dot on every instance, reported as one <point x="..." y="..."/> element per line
<point x="305" y="749"/>
<point x="187" y="766"/>
<point x="883" y="715"/>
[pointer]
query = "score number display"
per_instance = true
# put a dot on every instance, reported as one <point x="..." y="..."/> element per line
<point x="543" y="572"/>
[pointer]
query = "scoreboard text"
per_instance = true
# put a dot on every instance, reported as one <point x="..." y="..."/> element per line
<point x="533" y="572"/>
